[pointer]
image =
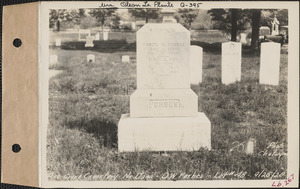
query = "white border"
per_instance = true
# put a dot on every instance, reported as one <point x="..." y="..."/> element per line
<point x="293" y="100"/>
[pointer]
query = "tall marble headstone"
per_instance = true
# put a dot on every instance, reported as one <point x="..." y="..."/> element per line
<point x="163" y="110"/>
<point x="231" y="62"/>
<point x="196" y="58"/>
<point x="269" y="63"/>
<point x="275" y="26"/>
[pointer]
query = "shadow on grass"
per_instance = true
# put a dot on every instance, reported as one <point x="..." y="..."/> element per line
<point x="104" y="131"/>
<point x="109" y="46"/>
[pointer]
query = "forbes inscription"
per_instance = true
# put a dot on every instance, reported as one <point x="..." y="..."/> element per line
<point x="164" y="104"/>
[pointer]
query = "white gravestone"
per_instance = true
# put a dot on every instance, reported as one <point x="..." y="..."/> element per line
<point x="53" y="59"/>
<point x="196" y="58"/>
<point x="89" y="41"/>
<point x="269" y="63"/>
<point x="132" y="26"/>
<point x="97" y="36"/>
<point x="105" y="35"/>
<point x="231" y="62"/>
<point x="58" y="42"/>
<point x="90" y="58"/>
<point x="243" y="38"/>
<point x="125" y="59"/>
<point x="85" y="32"/>
<point x="163" y="110"/>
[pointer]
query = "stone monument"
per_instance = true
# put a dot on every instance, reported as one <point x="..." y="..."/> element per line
<point x="275" y="26"/>
<point x="89" y="41"/>
<point x="58" y="42"/>
<point x="168" y="16"/>
<point x="163" y="110"/>
<point x="125" y="59"/>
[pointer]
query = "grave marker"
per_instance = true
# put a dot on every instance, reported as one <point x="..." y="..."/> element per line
<point x="163" y="110"/>
<point x="231" y="62"/>
<point x="196" y="56"/>
<point x="89" y="41"/>
<point x="125" y="59"/>
<point x="58" y="42"/>
<point x="269" y="63"/>
<point x="85" y="32"/>
<point x="90" y="58"/>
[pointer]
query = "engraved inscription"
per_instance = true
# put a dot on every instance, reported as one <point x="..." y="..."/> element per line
<point x="164" y="104"/>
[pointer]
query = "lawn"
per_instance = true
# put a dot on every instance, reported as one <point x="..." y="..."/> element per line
<point x="87" y="100"/>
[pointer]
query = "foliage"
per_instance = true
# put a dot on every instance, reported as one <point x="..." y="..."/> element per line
<point x="68" y="17"/>
<point x="146" y="14"/>
<point x="87" y="22"/>
<point x="103" y="15"/>
<point x="187" y="17"/>
<point x="267" y="17"/>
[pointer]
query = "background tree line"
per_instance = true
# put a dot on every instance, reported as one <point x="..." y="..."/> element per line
<point x="228" y="20"/>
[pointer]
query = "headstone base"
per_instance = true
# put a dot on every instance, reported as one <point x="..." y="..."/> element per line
<point x="163" y="103"/>
<point x="164" y="134"/>
<point x="89" y="45"/>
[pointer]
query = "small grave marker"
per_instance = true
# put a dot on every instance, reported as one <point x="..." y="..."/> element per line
<point x="90" y="58"/>
<point x="125" y="59"/>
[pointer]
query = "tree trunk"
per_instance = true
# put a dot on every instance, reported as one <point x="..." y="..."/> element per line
<point x="233" y="24"/>
<point x="102" y="25"/>
<point x="147" y="19"/>
<point x="256" y="14"/>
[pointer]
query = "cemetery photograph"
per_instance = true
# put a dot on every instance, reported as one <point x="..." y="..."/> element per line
<point x="167" y="94"/>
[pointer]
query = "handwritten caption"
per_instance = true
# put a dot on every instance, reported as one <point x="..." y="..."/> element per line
<point x="172" y="176"/>
<point x="151" y="4"/>
<point x="284" y="183"/>
<point x="274" y="149"/>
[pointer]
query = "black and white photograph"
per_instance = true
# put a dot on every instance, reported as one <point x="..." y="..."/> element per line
<point x="149" y="92"/>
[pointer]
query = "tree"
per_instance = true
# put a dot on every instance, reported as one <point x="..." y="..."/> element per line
<point x="65" y="17"/>
<point x="188" y="16"/>
<point x="234" y="17"/>
<point x="229" y="20"/>
<point x="145" y="13"/>
<point x="102" y="15"/>
<point x="255" y="18"/>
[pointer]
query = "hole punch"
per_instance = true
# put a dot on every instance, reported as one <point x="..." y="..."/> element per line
<point x="17" y="42"/>
<point x="16" y="148"/>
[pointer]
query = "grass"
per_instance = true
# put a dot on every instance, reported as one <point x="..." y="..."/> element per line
<point x="87" y="100"/>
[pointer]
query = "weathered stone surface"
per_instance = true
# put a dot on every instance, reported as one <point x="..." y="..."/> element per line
<point x="231" y="62"/>
<point x="164" y="134"/>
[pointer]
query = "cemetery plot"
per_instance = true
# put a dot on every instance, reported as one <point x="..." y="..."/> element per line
<point x="155" y="107"/>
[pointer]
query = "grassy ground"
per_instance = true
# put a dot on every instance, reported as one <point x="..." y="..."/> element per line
<point x="86" y="102"/>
